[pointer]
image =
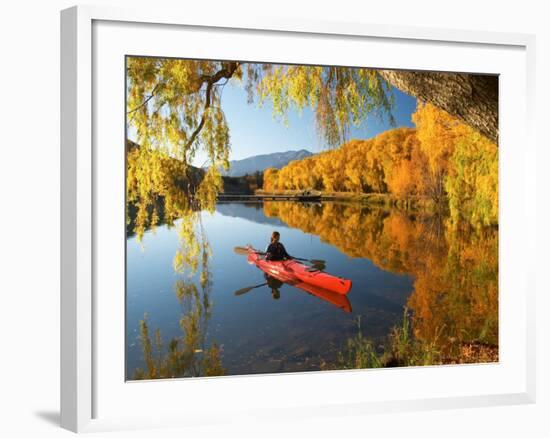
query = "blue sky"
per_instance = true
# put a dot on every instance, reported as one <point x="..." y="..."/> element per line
<point x="254" y="131"/>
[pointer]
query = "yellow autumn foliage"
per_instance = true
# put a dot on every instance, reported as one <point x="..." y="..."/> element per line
<point x="455" y="271"/>
<point x="442" y="159"/>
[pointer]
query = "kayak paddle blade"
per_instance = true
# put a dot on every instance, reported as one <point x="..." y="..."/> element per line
<point x="241" y="250"/>
<point x="318" y="262"/>
<point x="320" y="265"/>
<point x="248" y="289"/>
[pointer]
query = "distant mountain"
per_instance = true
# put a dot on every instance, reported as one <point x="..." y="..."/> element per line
<point x="257" y="163"/>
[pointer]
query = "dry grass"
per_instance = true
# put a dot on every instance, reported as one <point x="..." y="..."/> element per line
<point x="401" y="349"/>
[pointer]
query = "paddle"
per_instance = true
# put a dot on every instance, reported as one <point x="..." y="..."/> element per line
<point x="314" y="261"/>
<point x="319" y="264"/>
<point x="248" y="289"/>
<point x="243" y="250"/>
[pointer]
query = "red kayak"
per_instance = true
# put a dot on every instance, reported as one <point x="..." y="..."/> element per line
<point x="288" y="270"/>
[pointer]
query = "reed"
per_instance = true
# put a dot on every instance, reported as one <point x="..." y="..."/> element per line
<point x="399" y="349"/>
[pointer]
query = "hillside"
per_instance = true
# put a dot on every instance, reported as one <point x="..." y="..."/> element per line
<point x="441" y="160"/>
<point x="259" y="163"/>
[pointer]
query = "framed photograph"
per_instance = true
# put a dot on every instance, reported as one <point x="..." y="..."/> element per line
<point x="269" y="218"/>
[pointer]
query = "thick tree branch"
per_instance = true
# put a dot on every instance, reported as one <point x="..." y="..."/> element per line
<point x="225" y="73"/>
<point x="470" y="97"/>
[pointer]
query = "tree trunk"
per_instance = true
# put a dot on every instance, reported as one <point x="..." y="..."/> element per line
<point x="470" y="97"/>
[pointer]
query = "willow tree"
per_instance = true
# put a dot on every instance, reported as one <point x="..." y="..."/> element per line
<point x="174" y="107"/>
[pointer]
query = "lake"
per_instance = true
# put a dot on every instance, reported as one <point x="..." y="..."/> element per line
<point x="394" y="259"/>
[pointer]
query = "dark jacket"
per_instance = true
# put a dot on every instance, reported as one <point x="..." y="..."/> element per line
<point x="276" y="251"/>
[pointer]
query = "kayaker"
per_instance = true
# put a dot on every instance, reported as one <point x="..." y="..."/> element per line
<point x="276" y="251"/>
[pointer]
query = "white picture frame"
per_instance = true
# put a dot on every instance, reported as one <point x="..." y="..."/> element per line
<point x="87" y="388"/>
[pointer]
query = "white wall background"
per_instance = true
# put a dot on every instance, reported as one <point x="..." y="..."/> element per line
<point x="29" y="215"/>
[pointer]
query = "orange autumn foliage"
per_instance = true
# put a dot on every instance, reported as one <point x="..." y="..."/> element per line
<point x="442" y="159"/>
<point x="455" y="271"/>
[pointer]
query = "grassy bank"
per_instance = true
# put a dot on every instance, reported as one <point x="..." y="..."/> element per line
<point x="402" y="349"/>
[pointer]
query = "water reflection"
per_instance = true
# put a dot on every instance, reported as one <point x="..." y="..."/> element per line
<point x="455" y="269"/>
<point x="186" y="355"/>
<point x="446" y="276"/>
<point x="275" y="284"/>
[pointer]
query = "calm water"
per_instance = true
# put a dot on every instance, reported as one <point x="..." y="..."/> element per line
<point x="257" y="333"/>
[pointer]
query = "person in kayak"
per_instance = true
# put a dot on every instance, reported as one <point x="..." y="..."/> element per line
<point x="276" y="251"/>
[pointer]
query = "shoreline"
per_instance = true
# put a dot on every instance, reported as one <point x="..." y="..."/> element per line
<point x="375" y="199"/>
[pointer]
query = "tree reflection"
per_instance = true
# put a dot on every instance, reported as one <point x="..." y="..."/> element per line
<point x="187" y="355"/>
<point x="454" y="302"/>
<point x="161" y="189"/>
